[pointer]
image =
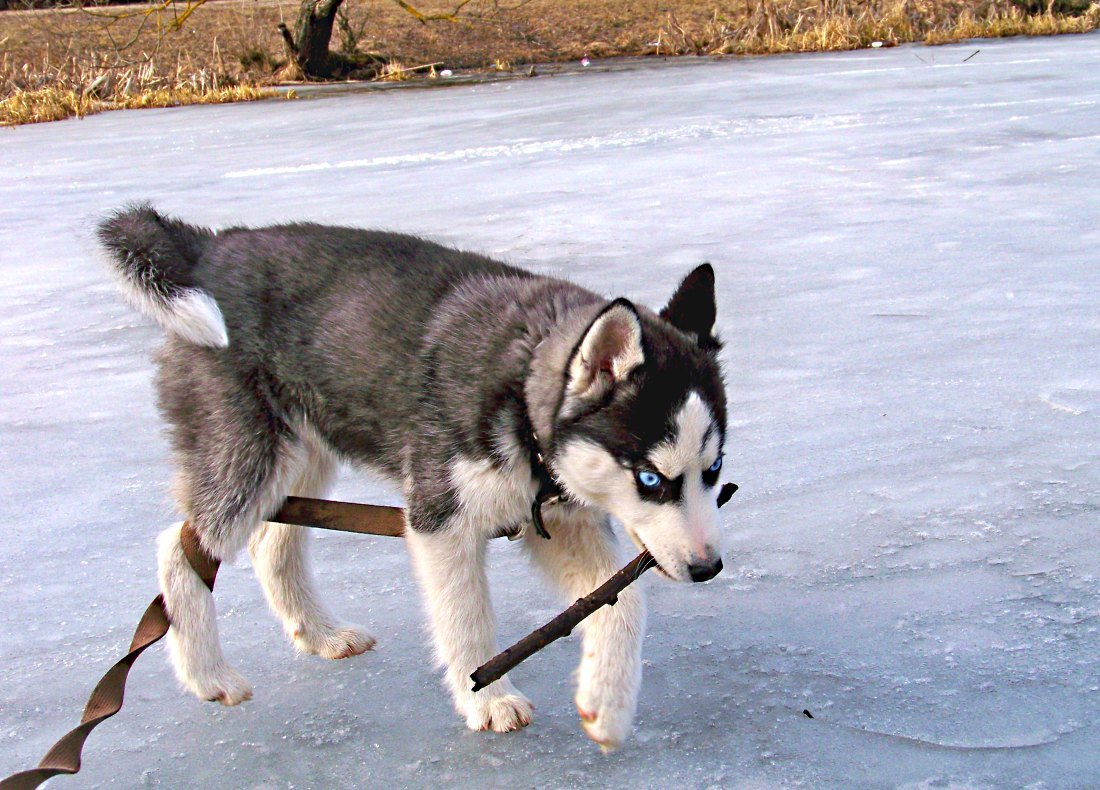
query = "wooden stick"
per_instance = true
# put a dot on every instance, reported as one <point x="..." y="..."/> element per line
<point x="562" y="625"/>
<point x="342" y="516"/>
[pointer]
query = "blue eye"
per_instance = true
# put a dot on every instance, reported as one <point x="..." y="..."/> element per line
<point x="647" y="479"/>
<point x="716" y="465"/>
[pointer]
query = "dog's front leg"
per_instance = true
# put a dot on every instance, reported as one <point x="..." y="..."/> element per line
<point x="579" y="557"/>
<point x="451" y="566"/>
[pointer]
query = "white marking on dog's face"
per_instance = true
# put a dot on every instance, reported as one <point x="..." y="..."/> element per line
<point x="695" y="440"/>
<point x="680" y="531"/>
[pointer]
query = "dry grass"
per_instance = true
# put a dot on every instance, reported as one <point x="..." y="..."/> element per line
<point x="833" y="25"/>
<point x="1016" y="23"/>
<point x="394" y="71"/>
<point x="74" y="89"/>
<point x="57" y="63"/>
<point x="55" y="104"/>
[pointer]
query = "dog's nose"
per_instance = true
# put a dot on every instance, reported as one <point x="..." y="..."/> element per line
<point x="705" y="571"/>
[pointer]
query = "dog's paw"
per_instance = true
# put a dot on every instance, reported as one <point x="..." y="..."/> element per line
<point x="502" y="713"/>
<point x="221" y="684"/>
<point x="333" y="642"/>
<point x="604" y="719"/>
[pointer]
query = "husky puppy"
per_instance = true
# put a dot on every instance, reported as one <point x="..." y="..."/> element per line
<point x="461" y="379"/>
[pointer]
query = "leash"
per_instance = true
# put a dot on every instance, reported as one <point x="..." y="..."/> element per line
<point x="107" y="697"/>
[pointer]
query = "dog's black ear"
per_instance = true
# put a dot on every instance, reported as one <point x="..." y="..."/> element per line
<point x="608" y="351"/>
<point x="692" y="308"/>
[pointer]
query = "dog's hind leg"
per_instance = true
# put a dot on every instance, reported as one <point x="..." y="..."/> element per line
<point x="581" y="556"/>
<point x="193" y="643"/>
<point x="236" y="461"/>
<point x="280" y="556"/>
<point x="223" y="509"/>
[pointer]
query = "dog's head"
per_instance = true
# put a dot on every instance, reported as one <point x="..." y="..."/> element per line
<point x="641" y="421"/>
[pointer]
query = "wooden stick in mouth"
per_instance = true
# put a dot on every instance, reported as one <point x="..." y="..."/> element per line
<point x="562" y="625"/>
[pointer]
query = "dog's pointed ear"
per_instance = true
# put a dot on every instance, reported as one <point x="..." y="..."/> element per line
<point x="692" y="308"/>
<point x="608" y="351"/>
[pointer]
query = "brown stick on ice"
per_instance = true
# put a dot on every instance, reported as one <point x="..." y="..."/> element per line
<point x="562" y="625"/>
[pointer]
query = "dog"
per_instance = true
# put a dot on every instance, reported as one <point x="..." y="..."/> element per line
<point x="473" y="386"/>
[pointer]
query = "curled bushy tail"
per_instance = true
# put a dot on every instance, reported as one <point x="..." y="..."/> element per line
<point x="155" y="258"/>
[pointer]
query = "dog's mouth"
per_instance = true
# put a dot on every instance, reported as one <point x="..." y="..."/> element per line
<point x="656" y="565"/>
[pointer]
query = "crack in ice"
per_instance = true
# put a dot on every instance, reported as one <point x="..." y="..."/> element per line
<point x="1022" y="743"/>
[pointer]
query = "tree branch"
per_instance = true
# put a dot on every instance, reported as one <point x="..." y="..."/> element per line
<point x="424" y="19"/>
<point x="562" y="625"/>
<point x="607" y="594"/>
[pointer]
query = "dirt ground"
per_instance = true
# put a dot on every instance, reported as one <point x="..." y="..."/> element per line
<point x="119" y="51"/>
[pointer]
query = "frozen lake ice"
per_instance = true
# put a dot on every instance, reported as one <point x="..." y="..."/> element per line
<point x="906" y="248"/>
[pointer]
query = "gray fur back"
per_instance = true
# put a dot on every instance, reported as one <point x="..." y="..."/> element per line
<point x="375" y="339"/>
<point x="399" y="353"/>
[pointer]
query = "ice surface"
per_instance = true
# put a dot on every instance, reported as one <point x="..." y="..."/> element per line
<point x="906" y="248"/>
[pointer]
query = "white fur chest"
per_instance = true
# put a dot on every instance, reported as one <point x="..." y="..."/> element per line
<point x="493" y="497"/>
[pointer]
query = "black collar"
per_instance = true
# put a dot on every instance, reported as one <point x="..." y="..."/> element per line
<point x="549" y="489"/>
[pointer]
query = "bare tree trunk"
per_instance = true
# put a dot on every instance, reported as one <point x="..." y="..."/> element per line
<point x="309" y="44"/>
